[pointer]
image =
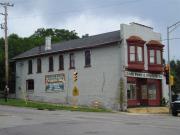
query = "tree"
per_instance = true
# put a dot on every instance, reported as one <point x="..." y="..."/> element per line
<point x="18" y="44"/>
<point x="175" y="71"/>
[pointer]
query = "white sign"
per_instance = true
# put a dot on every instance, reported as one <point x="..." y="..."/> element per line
<point x="143" y="75"/>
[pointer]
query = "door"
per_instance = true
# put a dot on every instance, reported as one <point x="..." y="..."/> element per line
<point x="144" y="95"/>
<point x="154" y="92"/>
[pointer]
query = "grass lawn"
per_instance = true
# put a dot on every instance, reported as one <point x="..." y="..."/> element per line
<point x="49" y="106"/>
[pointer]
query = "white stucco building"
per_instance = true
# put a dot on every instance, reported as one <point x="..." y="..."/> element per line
<point x="132" y="54"/>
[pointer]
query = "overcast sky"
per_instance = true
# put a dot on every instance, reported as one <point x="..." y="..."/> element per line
<point x="94" y="16"/>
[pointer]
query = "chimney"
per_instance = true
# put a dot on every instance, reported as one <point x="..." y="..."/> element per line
<point x="48" y="43"/>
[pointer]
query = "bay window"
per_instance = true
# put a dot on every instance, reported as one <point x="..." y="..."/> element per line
<point x="135" y="53"/>
<point x="132" y="53"/>
<point x="139" y="54"/>
<point x="155" y="56"/>
<point x="152" y="56"/>
<point x="158" y="56"/>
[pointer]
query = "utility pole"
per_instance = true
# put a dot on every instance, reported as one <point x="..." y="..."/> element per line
<point x="169" y="30"/>
<point x="4" y="26"/>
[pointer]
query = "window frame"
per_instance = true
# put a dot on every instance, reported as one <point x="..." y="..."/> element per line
<point x="71" y="61"/>
<point x="152" y="93"/>
<point x="132" y="97"/>
<point x="51" y="63"/>
<point x="39" y="65"/>
<point x="155" y="56"/>
<point x="61" y="62"/>
<point x="30" y="66"/>
<point x="136" y="46"/>
<point x="28" y="85"/>
<point x="87" y="64"/>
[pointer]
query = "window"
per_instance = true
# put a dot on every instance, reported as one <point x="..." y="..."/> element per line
<point x="139" y="54"/>
<point x="61" y="62"/>
<point x="158" y="57"/>
<point x="132" y="53"/>
<point x="155" y="56"/>
<point x="51" y="64"/>
<point x="152" y="56"/>
<point x="152" y="91"/>
<point x="72" y="61"/>
<point x="87" y="58"/>
<point x="38" y="65"/>
<point x="135" y="53"/>
<point x="131" y="91"/>
<point x="30" y="84"/>
<point x="30" y="68"/>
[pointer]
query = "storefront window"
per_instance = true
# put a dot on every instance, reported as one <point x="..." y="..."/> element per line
<point x="131" y="91"/>
<point x="152" y="91"/>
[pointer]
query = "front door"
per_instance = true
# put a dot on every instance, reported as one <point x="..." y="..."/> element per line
<point x="144" y="95"/>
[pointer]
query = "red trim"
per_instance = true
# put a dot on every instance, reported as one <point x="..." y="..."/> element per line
<point x="139" y="101"/>
<point x="136" y="42"/>
<point x="157" y="101"/>
<point x="155" y="45"/>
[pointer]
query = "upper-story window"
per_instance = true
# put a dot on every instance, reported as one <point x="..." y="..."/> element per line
<point x="30" y="67"/>
<point x="135" y="53"/>
<point x="158" y="57"/>
<point x="155" y="56"/>
<point x="39" y="65"/>
<point x="71" y="61"/>
<point x="155" y="49"/>
<point x="51" y="64"/>
<point x="61" y="62"/>
<point x="139" y="54"/>
<point x="132" y="53"/>
<point x="151" y="56"/>
<point x="87" y="58"/>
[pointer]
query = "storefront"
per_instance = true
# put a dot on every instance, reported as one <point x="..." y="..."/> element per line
<point x="143" y="89"/>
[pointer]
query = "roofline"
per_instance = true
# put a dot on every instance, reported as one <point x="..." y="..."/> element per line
<point x="71" y="49"/>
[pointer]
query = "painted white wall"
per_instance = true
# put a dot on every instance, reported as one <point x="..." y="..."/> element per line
<point x="98" y="82"/>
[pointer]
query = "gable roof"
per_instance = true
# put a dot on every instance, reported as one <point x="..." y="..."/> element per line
<point x="88" y="42"/>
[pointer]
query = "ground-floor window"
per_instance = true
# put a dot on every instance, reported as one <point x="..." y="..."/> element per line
<point x="152" y="91"/>
<point x="30" y="84"/>
<point x="131" y="91"/>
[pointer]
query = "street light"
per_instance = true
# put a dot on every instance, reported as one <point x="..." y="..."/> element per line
<point x="169" y="30"/>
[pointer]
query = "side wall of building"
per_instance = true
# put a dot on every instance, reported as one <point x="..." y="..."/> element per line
<point x="100" y="82"/>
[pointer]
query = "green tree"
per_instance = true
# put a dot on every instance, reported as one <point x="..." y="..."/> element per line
<point x="18" y="44"/>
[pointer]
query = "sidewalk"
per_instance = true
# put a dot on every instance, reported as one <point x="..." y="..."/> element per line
<point x="149" y="110"/>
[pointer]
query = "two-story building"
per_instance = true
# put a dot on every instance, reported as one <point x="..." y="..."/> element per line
<point x="127" y="61"/>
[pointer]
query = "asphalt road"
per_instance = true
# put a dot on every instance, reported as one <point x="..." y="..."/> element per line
<point x="21" y="121"/>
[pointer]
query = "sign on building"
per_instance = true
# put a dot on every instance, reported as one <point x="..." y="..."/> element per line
<point x="143" y="75"/>
<point x="54" y="82"/>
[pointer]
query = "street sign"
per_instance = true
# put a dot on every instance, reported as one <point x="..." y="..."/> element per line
<point x="75" y="91"/>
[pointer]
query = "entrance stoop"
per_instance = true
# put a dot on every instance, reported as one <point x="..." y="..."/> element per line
<point x="151" y="110"/>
